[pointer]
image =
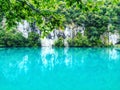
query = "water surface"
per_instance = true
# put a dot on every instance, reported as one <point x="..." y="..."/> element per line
<point x="59" y="69"/>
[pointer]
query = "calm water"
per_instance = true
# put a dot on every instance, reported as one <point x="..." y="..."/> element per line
<point x="59" y="69"/>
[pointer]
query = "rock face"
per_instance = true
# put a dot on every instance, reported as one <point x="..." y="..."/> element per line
<point x="114" y="37"/>
<point x="110" y="38"/>
<point x="69" y="32"/>
<point x="25" y="28"/>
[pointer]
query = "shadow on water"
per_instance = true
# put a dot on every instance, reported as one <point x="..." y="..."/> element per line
<point x="32" y="65"/>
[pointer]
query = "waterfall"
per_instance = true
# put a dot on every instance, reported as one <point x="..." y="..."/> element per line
<point x="24" y="28"/>
<point x="113" y="37"/>
<point x="46" y="42"/>
<point x="69" y="32"/>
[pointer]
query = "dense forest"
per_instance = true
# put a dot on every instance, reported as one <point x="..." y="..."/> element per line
<point x="98" y="16"/>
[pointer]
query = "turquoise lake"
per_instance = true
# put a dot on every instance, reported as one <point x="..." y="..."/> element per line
<point x="59" y="69"/>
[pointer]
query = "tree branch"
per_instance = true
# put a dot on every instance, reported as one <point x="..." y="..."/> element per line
<point x="29" y="5"/>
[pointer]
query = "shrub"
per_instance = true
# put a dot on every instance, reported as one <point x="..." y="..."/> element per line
<point x="33" y="39"/>
<point x="78" y="41"/>
<point x="59" y="42"/>
<point x="11" y="38"/>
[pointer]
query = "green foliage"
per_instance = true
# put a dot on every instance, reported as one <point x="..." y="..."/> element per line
<point x="59" y="42"/>
<point x="12" y="38"/>
<point x="33" y="39"/>
<point x="50" y="14"/>
<point x="96" y="15"/>
<point x="78" y="41"/>
<point x="41" y="11"/>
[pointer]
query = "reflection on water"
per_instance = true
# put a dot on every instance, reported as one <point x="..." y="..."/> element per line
<point x="23" y="63"/>
<point x="18" y="62"/>
<point x="114" y="54"/>
<point x="49" y="58"/>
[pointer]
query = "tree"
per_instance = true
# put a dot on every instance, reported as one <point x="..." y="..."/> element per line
<point x="96" y="15"/>
<point x="43" y="12"/>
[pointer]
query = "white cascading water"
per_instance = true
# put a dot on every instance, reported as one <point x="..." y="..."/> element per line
<point x="24" y="28"/>
<point x="47" y="42"/>
<point x="69" y="32"/>
<point x="114" y="37"/>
